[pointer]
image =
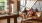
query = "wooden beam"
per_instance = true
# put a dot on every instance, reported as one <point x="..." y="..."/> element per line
<point x="18" y="5"/>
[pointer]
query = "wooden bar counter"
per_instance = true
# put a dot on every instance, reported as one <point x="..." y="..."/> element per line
<point x="8" y="18"/>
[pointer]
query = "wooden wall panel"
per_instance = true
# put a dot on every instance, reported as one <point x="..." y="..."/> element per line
<point x="15" y="6"/>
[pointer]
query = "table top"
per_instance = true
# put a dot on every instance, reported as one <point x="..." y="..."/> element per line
<point x="7" y="16"/>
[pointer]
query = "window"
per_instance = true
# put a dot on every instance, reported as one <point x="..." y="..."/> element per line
<point x="38" y="5"/>
<point x="30" y="4"/>
<point x="3" y="4"/>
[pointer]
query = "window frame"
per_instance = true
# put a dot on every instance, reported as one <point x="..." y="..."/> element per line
<point x="4" y="5"/>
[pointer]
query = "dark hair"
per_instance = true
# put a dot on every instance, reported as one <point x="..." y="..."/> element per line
<point x="36" y="10"/>
<point x="25" y="11"/>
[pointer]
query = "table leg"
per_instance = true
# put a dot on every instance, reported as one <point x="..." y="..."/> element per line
<point x="8" y="20"/>
<point x="15" y="19"/>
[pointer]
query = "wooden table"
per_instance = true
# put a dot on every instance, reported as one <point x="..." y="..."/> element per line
<point x="8" y="18"/>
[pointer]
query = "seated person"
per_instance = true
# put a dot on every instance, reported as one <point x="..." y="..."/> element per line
<point x="23" y="14"/>
<point x="31" y="13"/>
